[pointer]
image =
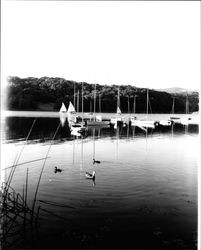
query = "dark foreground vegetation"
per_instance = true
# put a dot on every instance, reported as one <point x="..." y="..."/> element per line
<point x="47" y="94"/>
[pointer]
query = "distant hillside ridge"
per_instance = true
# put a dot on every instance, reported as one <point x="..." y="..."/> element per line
<point x="48" y="93"/>
<point x="177" y="90"/>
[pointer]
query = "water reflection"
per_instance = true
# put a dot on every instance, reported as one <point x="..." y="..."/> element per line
<point x="145" y="184"/>
<point x="18" y="127"/>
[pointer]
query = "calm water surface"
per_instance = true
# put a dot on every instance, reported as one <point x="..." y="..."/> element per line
<point x="144" y="194"/>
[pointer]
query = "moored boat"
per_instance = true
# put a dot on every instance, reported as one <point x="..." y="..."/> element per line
<point x="144" y="123"/>
<point x="78" y="128"/>
<point x="98" y="123"/>
<point x="118" y="119"/>
<point x="96" y="120"/>
<point x="165" y="122"/>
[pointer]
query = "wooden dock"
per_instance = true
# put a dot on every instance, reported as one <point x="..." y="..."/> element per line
<point x="194" y="119"/>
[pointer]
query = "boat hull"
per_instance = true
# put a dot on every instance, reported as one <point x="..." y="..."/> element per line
<point x="97" y="123"/>
<point x="141" y="123"/>
<point x="165" y="122"/>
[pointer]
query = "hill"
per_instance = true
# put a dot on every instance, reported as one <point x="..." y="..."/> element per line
<point x="48" y="93"/>
<point x="177" y="90"/>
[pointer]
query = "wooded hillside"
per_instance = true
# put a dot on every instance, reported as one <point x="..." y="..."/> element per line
<point x="48" y="93"/>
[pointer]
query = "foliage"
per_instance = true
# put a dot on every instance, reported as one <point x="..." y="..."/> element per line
<point x="28" y="93"/>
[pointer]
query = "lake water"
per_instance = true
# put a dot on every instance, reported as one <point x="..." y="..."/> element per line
<point x="144" y="195"/>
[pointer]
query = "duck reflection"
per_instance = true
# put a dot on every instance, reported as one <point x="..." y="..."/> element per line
<point x="90" y="176"/>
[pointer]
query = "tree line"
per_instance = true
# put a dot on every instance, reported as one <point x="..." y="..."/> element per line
<point x="48" y="93"/>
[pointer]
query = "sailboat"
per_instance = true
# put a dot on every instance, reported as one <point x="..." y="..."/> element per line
<point x="145" y="123"/>
<point x="187" y="120"/>
<point x="63" y="114"/>
<point x="174" y="119"/>
<point x="97" y="120"/>
<point x="118" y="118"/>
<point x="77" y="128"/>
<point x="71" y="109"/>
<point x="71" y="113"/>
<point x="134" y="121"/>
<point x="118" y="111"/>
<point x="126" y="120"/>
<point x="167" y="122"/>
<point x="133" y="118"/>
<point x="63" y="108"/>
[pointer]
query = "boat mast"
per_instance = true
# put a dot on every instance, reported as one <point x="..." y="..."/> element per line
<point x="78" y="100"/>
<point x="128" y="105"/>
<point x="90" y="105"/>
<point x="95" y="103"/>
<point x="147" y="102"/>
<point x="99" y="103"/>
<point x="173" y="105"/>
<point x="82" y="102"/>
<point x="74" y="95"/>
<point x="134" y="104"/>
<point x="187" y="104"/>
<point x="118" y="97"/>
<point x="118" y="100"/>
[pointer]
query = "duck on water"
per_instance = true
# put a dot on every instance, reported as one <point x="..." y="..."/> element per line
<point x="94" y="161"/>
<point x="90" y="176"/>
<point x="56" y="169"/>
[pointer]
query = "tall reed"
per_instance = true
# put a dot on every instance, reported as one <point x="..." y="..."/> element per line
<point x="36" y="192"/>
<point x="17" y="159"/>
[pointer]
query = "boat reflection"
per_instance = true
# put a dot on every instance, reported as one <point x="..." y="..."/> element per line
<point x="17" y="127"/>
<point x="143" y="186"/>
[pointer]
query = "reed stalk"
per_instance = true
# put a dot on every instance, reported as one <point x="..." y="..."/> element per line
<point x="36" y="192"/>
<point x="26" y="187"/>
<point x="9" y="178"/>
<point x="23" y="163"/>
<point x="17" y="159"/>
<point x="25" y="207"/>
<point x="23" y="195"/>
<point x="93" y="143"/>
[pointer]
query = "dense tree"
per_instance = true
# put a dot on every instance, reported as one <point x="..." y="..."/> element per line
<point x="34" y="93"/>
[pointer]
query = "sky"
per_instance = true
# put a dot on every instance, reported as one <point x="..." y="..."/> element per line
<point x="141" y="43"/>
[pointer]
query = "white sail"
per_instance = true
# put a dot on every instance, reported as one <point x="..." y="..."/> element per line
<point x="71" y="109"/>
<point x="62" y="114"/>
<point x="118" y="111"/>
<point x="63" y="108"/>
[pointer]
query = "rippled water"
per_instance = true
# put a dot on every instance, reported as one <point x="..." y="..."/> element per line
<point x="144" y="195"/>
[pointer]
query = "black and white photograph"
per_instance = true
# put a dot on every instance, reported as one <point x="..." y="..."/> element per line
<point x="100" y="143"/>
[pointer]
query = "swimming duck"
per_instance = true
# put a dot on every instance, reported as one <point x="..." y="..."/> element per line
<point x="57" y="169"/>
<point x="94" y="161"/>
<point x="90" y="176"/>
